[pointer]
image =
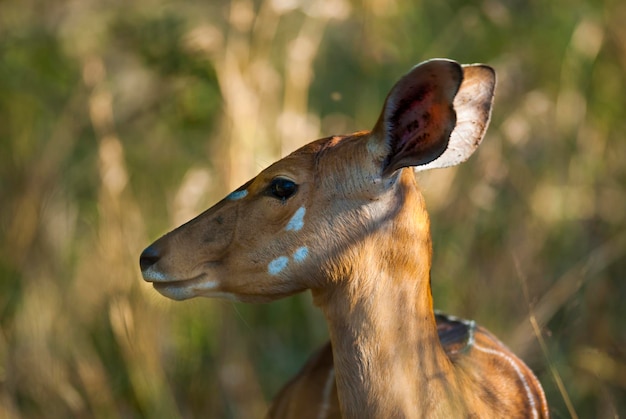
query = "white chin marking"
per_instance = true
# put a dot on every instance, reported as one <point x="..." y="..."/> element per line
<point x="175" y="292"/>
<point x="152" y="274"/>
<point x="207" y="285"/>
<point x="297" y="221"/>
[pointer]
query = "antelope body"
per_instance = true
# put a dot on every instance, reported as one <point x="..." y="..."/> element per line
<point x="343" y="217"/>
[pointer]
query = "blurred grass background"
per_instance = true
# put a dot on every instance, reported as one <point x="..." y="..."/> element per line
<point x="120" y="120"/>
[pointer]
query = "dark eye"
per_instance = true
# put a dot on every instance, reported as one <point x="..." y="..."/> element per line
<point x="282" y="188"/>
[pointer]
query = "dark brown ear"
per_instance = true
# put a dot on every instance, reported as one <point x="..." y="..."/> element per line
<point x="472" y="105"/>
<point x="419" y="116"/>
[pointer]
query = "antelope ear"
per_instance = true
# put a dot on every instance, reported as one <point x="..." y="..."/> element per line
<point x="473" y="105"/>
<point x="418" y="125"/>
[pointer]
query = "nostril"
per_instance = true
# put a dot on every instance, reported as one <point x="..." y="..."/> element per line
<point x="148" y="257"/>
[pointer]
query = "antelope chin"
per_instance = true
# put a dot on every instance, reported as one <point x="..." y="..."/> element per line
<point x="185" y="289"/>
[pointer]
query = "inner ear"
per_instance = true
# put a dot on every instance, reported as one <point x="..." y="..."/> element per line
<point x="418" y="116"/>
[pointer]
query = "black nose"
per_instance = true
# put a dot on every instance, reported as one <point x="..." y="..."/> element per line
<point x="148" y="257"/>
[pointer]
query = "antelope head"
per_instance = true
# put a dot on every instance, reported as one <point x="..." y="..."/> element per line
<point x="292" y="227"/>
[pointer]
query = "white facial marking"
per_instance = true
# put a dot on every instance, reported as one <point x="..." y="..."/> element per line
<point x="297" y="221"/>
<point x="277" y="265"/>
<point x="301" y="253"/>
<point x="154" y="275"/>
<point x="237" y="195"/>
<point x="176" y="293"/>
<point x="207" y="285"/>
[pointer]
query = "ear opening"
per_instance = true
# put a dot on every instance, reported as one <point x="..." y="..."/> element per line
<point x="434" y="116"/>
<point x="473" y="104"/>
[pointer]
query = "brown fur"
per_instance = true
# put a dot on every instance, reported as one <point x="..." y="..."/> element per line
<point x="354" y="230"/>
<point x="303" y="397"/>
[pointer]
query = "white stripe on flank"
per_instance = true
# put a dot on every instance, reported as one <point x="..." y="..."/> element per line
<point x="519" y="374"/>
<point x="328" y="388"/>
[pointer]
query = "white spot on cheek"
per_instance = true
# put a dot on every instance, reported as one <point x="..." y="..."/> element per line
<point x="234" y="196"/>
<point x="277" y="265"/>
<point x="297" y="221"/>
<point x="301" y="253"/>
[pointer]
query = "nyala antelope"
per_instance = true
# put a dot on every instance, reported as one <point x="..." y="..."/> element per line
<point x="343" y="217"/>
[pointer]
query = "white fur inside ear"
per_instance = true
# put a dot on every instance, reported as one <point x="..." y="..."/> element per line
<point x="473" y="111"/>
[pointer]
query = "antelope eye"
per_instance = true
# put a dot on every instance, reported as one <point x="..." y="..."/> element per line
<point x="282" y="188"/>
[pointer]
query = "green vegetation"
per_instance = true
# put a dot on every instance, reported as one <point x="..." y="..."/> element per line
<point x="121" y="120"/>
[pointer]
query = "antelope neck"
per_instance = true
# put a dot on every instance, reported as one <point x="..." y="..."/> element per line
<point x="386" y="350"/>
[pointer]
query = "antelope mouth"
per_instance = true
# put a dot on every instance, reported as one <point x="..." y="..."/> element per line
<point x="184" y="289"/>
